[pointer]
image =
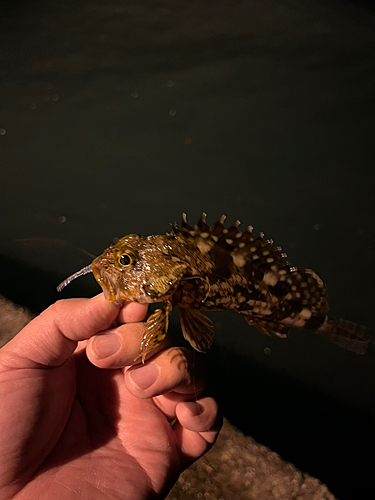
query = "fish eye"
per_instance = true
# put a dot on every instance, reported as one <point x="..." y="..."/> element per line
<point x="125" y="259"/>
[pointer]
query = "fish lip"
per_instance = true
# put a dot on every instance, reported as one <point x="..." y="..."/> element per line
<point x="109" y="287"/>
<point x="114" y="287"/>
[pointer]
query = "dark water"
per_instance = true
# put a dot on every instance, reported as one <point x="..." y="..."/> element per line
<point x="116" y="117"/>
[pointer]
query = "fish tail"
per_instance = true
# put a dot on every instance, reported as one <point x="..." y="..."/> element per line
<point x="346" y="334"/>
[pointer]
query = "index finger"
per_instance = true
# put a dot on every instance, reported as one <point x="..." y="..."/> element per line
<point x="52" y="337"/>
<point x="132" y="312"/>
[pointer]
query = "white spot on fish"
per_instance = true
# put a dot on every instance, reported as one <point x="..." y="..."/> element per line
<point x="296" y="322"/>
<point x="305" y="314"/>
<point x="204" y="246"/>
<point x="237" y="279"/>
<point x="270" y="279"/>
<point x="266" y="311"/>
<point x="225" y="286"/>
<point x="238" y="260"/>
<point x="225" y="300"/>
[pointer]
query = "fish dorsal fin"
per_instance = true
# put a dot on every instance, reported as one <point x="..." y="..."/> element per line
<point x="201" y="225"/>
<point x="217" y="233"/>
<point x="245" y="244"/>
<point x="258" y="261"/>
<point x="197" y="329"/>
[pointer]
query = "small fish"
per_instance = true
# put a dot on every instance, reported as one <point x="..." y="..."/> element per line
<point x="213" y="268"/>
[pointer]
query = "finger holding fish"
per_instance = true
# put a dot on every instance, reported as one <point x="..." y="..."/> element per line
<point x="119" y="346"/>
<point x="132" y="312"/>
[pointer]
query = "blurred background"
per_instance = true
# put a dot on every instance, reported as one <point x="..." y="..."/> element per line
<point x="116" y="117"/>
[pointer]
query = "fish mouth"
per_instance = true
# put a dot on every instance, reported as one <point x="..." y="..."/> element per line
<point x="109" y="287"/>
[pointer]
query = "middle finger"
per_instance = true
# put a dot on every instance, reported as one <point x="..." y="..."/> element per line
<point x="172" y="375"/>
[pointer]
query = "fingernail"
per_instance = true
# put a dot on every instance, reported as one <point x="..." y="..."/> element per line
<point x="144" y="377"/>
<point x="106" y="345"/>
<point x="194" y="408"/>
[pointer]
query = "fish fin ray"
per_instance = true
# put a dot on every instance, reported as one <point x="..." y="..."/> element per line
<point x="231" y="239"/>
<point x="156" y="330"/>
<point x="267" y="326"/>
<point x="346" y="334"/>
<point x="197" y="328"/>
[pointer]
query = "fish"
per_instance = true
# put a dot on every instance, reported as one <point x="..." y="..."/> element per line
<point x="214" y="268"/>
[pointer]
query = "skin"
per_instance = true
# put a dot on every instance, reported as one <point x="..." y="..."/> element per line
<point x="77" y="425"/>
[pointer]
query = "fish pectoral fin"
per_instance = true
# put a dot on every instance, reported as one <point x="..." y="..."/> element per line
<point x="197" y="328"/>
<point x="266" y="326"/>
<point x="156" y="330"/>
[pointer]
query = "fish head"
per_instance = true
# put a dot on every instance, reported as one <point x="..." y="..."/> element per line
<point x="139" y="269"/>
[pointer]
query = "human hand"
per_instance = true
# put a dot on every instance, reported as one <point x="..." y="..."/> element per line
<point x="72" y="430"/>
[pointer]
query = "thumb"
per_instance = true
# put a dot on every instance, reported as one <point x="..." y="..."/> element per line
<point x="52" y="337"/>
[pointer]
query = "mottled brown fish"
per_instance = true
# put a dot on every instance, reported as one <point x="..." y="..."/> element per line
<point x="212" y="268"/>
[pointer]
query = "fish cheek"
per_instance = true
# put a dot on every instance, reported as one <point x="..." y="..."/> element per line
<point x="164" y="281"/>
<point x="129" y="286"/>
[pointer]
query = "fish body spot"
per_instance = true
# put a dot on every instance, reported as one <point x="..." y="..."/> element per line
<point x="238" y="260"/>
<point x="270" y="279"/>
<point x="204" y="247"/>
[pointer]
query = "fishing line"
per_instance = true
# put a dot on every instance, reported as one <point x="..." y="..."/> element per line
<point x="82" y="272"/>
